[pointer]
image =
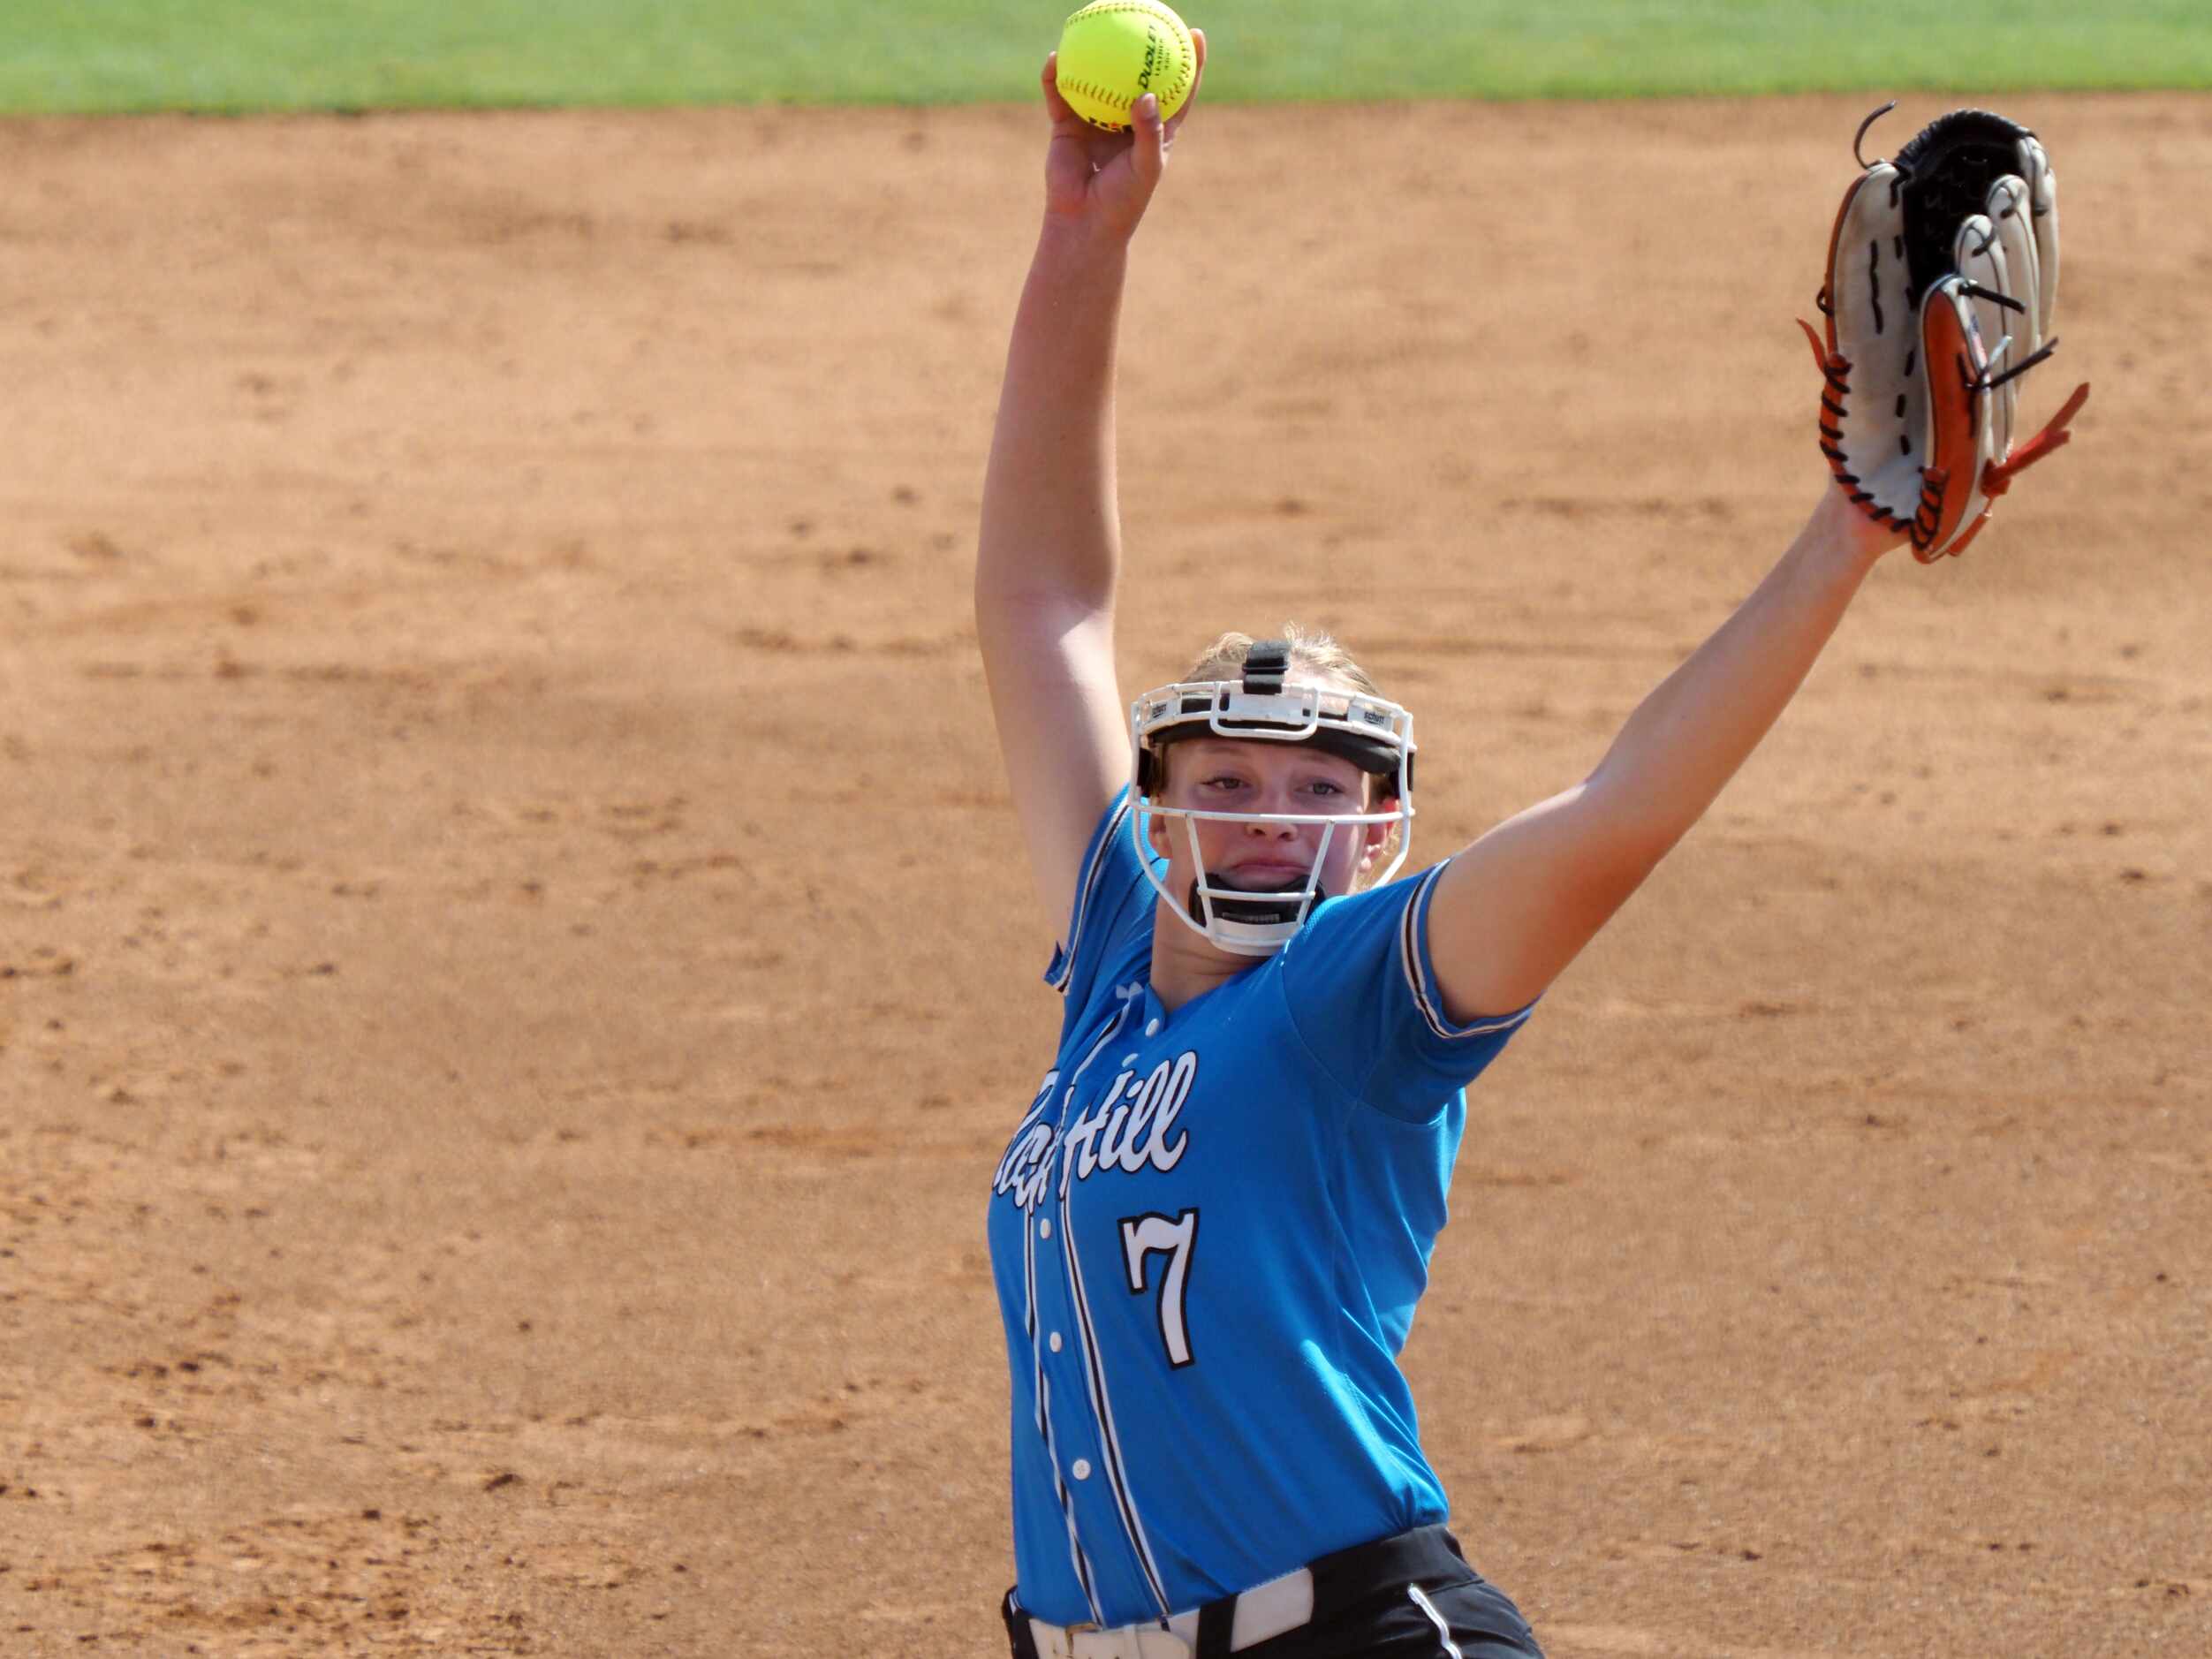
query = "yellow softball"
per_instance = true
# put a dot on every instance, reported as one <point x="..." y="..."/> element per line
<point x="1112" y="52"/>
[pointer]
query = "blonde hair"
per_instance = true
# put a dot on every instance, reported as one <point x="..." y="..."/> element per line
<point x="1316" y="651"/>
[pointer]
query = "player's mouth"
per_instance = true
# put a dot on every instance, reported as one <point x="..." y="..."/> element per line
<point x="1264" y="875"/>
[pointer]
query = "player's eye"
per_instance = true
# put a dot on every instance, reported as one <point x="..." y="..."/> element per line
<point x="1225" y="781"/>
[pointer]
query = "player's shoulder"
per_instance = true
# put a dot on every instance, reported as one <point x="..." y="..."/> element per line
<point x="1377" y="924"/>
<point x="1361" y="988"/>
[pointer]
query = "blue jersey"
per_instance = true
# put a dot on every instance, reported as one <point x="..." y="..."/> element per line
<point x="1209" y="1235"/>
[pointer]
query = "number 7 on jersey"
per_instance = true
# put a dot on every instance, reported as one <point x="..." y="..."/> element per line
<point x="1144" y="1236"/>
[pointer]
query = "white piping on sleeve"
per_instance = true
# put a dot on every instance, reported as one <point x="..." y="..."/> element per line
<point x="1409" y="955"/>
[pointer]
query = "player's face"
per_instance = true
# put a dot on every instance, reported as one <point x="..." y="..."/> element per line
<point x="1248" y="775"/>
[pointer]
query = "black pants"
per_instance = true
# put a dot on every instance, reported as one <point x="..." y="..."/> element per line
<point x="1385" y="1599"/>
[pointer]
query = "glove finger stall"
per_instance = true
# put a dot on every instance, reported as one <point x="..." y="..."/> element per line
<point x="1980" y="258"/>
<point x="2042" y="197"/>
<point x="1960" y="433"/>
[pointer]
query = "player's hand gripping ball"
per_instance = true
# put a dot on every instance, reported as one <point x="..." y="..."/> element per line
<point x="1112" y="52"/>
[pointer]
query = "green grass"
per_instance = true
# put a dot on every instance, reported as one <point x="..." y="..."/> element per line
<point x="103" y="55"/>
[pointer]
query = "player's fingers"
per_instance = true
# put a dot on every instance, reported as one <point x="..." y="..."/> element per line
<point x="1055" y="105"/>
<point x="1198" y="74"/>
<point x="1150" y="155"/>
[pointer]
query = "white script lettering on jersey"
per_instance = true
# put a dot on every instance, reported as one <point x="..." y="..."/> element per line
<point x="1130" y="1127"/>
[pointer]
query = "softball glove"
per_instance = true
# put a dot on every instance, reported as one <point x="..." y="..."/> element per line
<point x="1943" y="277"/>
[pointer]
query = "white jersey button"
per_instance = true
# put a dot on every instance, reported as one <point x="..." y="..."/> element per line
<point x="1082" y="1469"/>
<point x="1044" y="1229"/>
<point x="1151" y="1028"/>
<point x="1054" y="1340"/>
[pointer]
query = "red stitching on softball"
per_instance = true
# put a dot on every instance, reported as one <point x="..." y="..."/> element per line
<point x="1090" y="90"/>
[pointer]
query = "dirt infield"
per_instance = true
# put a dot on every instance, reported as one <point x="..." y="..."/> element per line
<point x="515" y="970"/>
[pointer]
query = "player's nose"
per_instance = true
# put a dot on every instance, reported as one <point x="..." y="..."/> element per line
<point x="1275" y="799"/>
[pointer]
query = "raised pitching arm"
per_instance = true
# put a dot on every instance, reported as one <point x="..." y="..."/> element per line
<point x="1049" y="548"/>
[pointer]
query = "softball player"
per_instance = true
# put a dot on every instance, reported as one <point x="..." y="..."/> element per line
<point x="1211" y="1227"/>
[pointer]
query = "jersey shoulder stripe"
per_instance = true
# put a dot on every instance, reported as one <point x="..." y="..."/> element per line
<point x="1421" y="975"/>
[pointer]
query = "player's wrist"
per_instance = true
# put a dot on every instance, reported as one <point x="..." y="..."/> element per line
<point x="1083" y="249"/>
<point x="1839" y="533"/>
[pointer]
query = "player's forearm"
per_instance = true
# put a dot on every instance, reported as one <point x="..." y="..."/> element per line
<point x="1050" y="530"/>
<point x="1688" y="737"/>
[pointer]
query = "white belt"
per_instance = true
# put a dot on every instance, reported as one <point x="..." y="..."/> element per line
<point x="1264" y="1610"/>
